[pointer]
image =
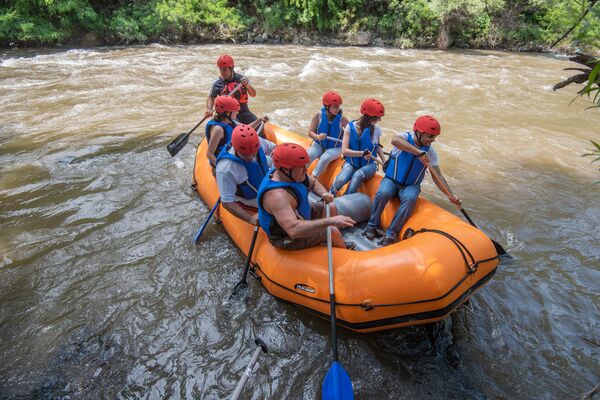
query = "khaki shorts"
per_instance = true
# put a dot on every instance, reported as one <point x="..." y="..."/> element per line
<point x="317" y="211"/>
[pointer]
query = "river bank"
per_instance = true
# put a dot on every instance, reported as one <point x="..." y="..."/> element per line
<point x="292" y="36"/>
<point x="412" y="24"/>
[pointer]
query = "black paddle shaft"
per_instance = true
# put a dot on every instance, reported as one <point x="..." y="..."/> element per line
<point x="499" y="249"/>
<point x="242" y="281"/>
<point x="462" y="210"/>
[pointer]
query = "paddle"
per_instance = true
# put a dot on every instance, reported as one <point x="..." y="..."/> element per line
<point x="499" y="249"/>
<point x="337" y="384"/>
<point x="242" y="283"/>
<point x="180" y="141"/>
<point x="201" y="230"/>
<point x="261" y="346"/>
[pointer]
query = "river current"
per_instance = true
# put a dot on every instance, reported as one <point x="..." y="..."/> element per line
<point x="104" y="295"/>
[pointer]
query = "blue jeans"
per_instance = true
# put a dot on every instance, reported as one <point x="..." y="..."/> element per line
<point x="408" y="197"/>
<point x="326" y="156"/>
<point x="356" y="176"/>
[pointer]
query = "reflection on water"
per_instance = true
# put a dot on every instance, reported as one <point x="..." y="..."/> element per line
<point x="104" y="295"/>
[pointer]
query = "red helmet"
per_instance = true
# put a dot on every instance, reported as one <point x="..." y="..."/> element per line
<point x="289" y="155"/>
<point x="225" y="61"/>
<point x="226" y="104"/>
<point x="332" y="99"/>
<point x="372" y="107"/>
<point x="244" y="140"/>
<point x="428" y="125"/>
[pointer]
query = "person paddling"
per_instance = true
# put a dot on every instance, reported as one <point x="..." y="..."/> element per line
<point x="218" y="130"/>
<point x="289" y="219"/>
<point x="241" y="167"/>
<point x="326" y="129"/>
<point x="225" y="83"/>
<point x="403" y="177"/>
<point x="360" y="146"/>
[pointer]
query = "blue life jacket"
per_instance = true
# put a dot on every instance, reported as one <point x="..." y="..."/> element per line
<point x="333" y="129"/>
<point x="228" y="129"/>
<point x="256" y="171"/>
<point x="267" y="221"/>
<point x="361" y="143"/>
<point x="405" y="168"/>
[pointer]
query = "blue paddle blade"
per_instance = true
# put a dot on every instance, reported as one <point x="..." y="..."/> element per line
<point x="337" y="384"/>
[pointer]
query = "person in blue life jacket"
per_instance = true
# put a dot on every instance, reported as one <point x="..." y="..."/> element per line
<point x="403" y="177"/>
<point x="326" y="130"/>
<point x="241" y="167"/>
<point x="218" y="130"/>
<point x="361" y="146"/>
<point x="226" y="82"/>
<point x="285" y="213"/>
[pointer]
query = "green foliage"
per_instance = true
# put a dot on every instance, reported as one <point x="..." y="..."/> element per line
<point x="134" y="23"/>
<point x="184" y="14"/>
<point x="46" y="21"/>
<point x="472" y="23"/>
<point x="562" y="14"/>
<point x="172" y="20"/>
<point x="414" y="19"/>
<point x="595" y="153"/>
<point x="592" y="88"/>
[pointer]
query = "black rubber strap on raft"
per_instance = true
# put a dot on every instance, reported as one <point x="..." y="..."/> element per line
<point x="462" y="248"/>
<point x="471" y="267"/>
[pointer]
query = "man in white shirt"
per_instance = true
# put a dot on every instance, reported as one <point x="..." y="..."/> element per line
<point x="241" y="166"/>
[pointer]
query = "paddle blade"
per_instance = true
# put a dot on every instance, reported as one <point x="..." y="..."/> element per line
<point x="178" y="143"/>
<point x="239" y="288"/>
<point x="337" y="384"/>
<point x="499" y="249"/>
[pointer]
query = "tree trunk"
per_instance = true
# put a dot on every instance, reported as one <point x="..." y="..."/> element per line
<point x="443" y="40"/>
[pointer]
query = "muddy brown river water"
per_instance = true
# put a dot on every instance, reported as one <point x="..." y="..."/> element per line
<point x="104" y="295"/>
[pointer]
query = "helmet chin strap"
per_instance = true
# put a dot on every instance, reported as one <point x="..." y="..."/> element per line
<point x="288" y="174"/>
<point x="419" y="139"/>
<point x="329" y="114"/>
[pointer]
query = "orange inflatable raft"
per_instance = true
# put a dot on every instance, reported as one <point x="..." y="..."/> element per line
<point x="415" y="281"/>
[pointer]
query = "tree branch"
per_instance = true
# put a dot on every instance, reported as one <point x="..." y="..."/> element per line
<point x="592" y="3"/>
<point x="579" y="78"/>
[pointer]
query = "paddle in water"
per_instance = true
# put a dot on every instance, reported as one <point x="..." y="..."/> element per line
<point x="242" y="283"/>
<point x="499" y="249"/>
<point x="260" y="346"/>
<point x="201" y="230"/>
<point x="337" y="384"/>
<point x="180" y="141"/>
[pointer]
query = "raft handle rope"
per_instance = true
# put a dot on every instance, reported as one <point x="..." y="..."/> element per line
<point x="471" y="267"/>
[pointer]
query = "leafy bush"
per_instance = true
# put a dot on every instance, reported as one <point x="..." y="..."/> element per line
<point x="469" y="22"/>
<point x="46" y="21"/>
